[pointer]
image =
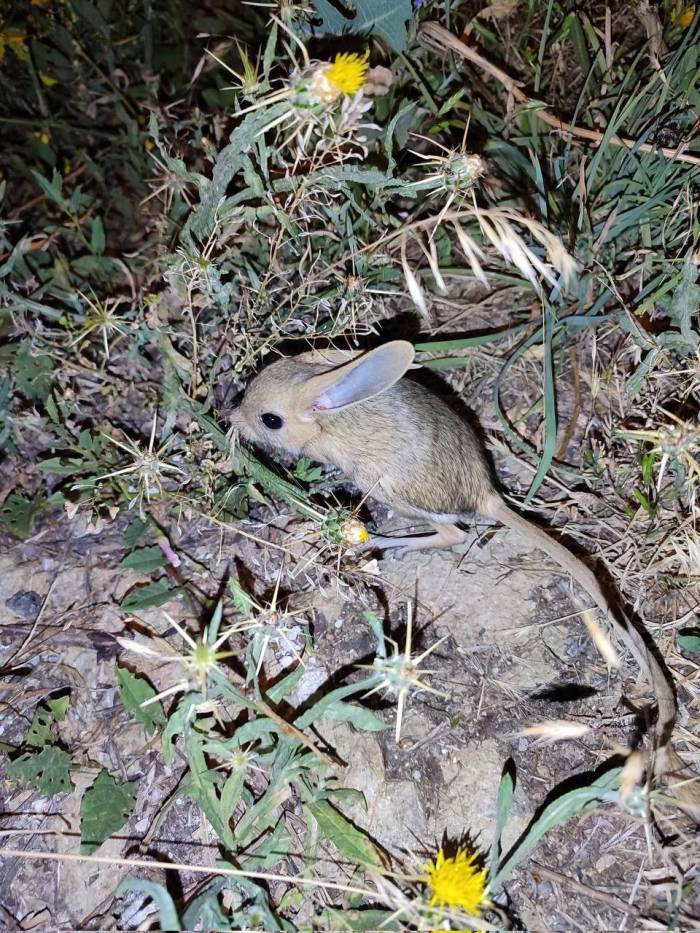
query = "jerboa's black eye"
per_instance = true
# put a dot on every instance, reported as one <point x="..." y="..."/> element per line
<point x="271" y="420"/>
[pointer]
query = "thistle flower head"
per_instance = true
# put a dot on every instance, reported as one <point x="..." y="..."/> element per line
<point x="456" y="172"/>
<point x="345" y="75"/>
<point x="353" y="532"/>
<point x="457" y="881"/>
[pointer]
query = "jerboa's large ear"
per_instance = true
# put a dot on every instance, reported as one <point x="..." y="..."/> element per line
<point x="358" y="380"/>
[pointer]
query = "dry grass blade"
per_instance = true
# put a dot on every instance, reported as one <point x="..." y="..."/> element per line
<point x="556" y="731"/>
<point x="601" y="640"/>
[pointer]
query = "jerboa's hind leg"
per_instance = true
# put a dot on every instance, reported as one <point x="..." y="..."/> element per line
<point x="445" y="535"/>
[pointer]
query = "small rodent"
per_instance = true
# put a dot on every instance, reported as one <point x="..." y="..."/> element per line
<point x="405" y="447"/>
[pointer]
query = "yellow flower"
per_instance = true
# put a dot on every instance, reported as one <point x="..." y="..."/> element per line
<point x="344" y="75"/>
<point x="457" y="881"/>
<point x="347" y="73"/>
<point x="683" y="17"/>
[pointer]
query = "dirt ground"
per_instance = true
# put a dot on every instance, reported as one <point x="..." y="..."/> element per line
<point x="515" y="653"/>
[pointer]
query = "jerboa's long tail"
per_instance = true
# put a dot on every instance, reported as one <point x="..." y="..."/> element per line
<point x="667" y="759"/>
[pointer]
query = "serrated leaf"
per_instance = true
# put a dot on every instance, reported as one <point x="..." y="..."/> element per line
<point x="134" y="691"/>
<point x="153" y="594"/>
<point x="387" y="19"/>
<point x="230" y="160"/>
<point x="48" y="770"/>
<point x="33" y="374"/>
<point x="104" y="809"/>
<point x="144" y="559"/>
<point x="689" y="640"/>
<point x="17" y="514"/>
<point x="348" y="840"/>
<point x="201" y="785"/>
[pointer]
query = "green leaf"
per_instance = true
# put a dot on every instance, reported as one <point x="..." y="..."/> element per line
<point x="241" y="600"/>
<point x="359" y="716"/>
<point x="42" y="730"/>
<point x="101" y="267"/>
<point x="52" y="189"/>
<point x="17" y="514"/>
<point x="277" y="692"/>
<point x="59" y="707"/>
<point x="461" y="343"/>
<point x="104" y="809"/>
<point x="200" y="785"/>
<point x="306" y="472"/>
<point x="48" y="770"/>
<point x="97" y="236"/>
<point x="358" y="921"/>
<point x="387" y="19"/>
<point x="144" y="559"/>
<point x="177" y="722"/>
<point x="52" y="410"/>
<point x="167" y="912"/>
<point x="331" y="699"/>
<point x="61" y="467"/>
<point x="134" y="691"/>
<point x="686" y="301"/>
<point x="135" y="530"/>
<point x="550" y="408"/>
<point x="348" y="840"/>
<point x="689" y="640"/>
<point x="559" y="811"/>
<point x="153" y="594"/>
<point x="229" y="162"/>
<point x="33" y="373"/>
<point x="204" y="911"/>
<point x="506" y="789"/>
<point x="375" y="623"/>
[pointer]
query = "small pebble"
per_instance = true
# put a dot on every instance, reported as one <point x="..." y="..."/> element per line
<point x="25" y="604"/>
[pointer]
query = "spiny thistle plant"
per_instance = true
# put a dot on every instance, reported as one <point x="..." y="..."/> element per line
<point x="674" y="445"/>
<point x="199" y="659"/>
<point x="147" y="467"/>
<point x="401" y="674"/>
